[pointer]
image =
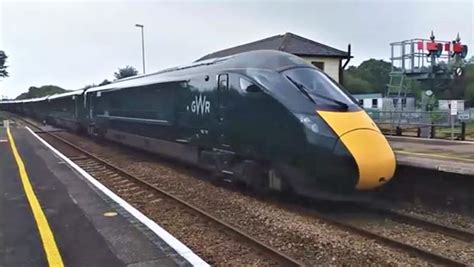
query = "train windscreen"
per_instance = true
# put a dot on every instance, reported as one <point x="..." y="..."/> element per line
<point x="320" y="89"/>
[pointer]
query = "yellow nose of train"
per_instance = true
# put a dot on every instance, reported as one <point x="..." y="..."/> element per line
<point x="367" y="145"/>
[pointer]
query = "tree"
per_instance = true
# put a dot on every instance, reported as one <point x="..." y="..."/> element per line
<point x="125" y="72"/>
<point x="471" y="60"/>
<point x="356" y="85"/>
<point x="371" y="76"/>
<point x="3" y="68"/>
<point x="44" y="90"/>
<point x="89" y="86"/>
<point x="469" y="94"/>
<point x="105" y="82"/>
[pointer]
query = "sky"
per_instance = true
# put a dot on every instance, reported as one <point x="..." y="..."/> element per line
<point x="76" y="43"/>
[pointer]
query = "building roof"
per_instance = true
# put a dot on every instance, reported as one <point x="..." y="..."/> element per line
<point x="288" y="42"/>
<point x="380" y="95"/>
<point x="363" y="96"/>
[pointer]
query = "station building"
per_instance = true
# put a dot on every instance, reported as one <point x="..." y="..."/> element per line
<point x="330" y="60"/>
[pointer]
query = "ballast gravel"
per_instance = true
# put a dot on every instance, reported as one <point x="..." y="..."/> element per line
<point x="304" y="238"/>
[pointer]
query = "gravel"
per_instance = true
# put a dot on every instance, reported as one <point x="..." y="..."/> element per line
<point x="307" y="239"/>
<point x="461" y="221"/>
<point x="206" y="238"/>
<point x="416" y="236"/>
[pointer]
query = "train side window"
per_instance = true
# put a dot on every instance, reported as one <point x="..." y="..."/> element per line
<point x="247" y="86"/>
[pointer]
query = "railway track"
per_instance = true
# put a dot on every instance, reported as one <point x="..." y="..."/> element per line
<point x="427" y="224"/>
<point x="104" y="170"/>
<point x="350" y="220"/>
<point x="329" y="218"/>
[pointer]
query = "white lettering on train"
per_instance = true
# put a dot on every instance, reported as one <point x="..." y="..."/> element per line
<point x="200" y="105"/>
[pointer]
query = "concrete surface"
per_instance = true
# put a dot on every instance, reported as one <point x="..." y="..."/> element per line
<point x="442" y="155"/>
<point x="75" y="212"/>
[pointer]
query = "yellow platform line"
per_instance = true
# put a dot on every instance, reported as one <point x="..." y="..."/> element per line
<point x="49" y="244"/>
<point x="433" y="155"/>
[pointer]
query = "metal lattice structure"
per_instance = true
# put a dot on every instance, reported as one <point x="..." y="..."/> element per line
<point x="420" y="60"/>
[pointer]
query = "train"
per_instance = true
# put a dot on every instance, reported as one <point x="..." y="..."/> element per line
<point x="263" y="118"/>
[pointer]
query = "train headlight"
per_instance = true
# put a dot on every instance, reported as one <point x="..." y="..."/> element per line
<point x="315" y="128"/>
<point x="308" y="122"/>
<point x="317" y="131"/>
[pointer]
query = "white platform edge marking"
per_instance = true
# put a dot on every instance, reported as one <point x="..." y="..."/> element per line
<point x="182" y="249"/>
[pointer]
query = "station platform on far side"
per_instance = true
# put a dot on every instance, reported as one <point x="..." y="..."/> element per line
<point x="51" y="215"/>
<point x="442" y="155"/>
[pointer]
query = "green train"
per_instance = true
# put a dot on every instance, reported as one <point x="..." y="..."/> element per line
<point x="264" y="118"/>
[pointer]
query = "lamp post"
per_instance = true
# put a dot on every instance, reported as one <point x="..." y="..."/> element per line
<point x="143" y="45"/>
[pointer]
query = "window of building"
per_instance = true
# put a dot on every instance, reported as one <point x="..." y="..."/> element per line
<point x="375" y="103"/>
<point x="318" y="64"/>
<point x="361" y="102"/>
<point x="395" y="102"/>
<point x="404" y="102"/>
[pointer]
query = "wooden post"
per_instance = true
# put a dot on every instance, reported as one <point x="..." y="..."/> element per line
<point x="463" y="130"/>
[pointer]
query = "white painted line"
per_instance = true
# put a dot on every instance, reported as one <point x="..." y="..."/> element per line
<point x="182" y="249"/>
<point x="3" y="141"/>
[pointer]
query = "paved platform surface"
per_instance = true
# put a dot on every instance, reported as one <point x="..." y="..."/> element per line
<point x="75" y="212"/>
<point x="443" y="155"/>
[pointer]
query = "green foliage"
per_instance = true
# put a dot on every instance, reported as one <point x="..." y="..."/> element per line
<point x="105" y="82"/>
<point x="357" y="85"/>
<point x="125" y="72"/>
<point x="371" y="76"/>
<point x="469" y="71"/>
<point x="3" y="68"/>
<point x="44" y="90"/>
<point x="89" y="86"/>
<point x="462" y="87"/>
<point x="469" y="94"/>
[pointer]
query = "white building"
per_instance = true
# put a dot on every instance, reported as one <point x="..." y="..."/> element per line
<point x="328" y="59"/>
<point x="379" y="102"/>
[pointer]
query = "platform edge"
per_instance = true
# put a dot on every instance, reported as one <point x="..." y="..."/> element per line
<point x="174" y="243"/>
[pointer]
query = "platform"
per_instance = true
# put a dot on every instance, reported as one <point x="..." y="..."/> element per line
<point x="441" y="155"/>
<point x="73" y="223"/>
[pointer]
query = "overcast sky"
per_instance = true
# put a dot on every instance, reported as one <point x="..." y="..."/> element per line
<point x="75" y="43"/>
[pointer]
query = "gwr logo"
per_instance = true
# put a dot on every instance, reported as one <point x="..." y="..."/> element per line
<point x="200" y="105"/>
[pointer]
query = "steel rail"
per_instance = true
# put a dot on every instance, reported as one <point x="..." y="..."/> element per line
<point x="427" y="224"/>
<point x="284" y="259"/>
<point x="413" y="250"/>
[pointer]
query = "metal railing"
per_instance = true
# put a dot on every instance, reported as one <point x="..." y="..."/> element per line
<point x="422" y="123"/>
<point x="410" y="118"/>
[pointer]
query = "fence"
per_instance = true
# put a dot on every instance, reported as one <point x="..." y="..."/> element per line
<point x="422" y="123"/>
<point x="410" y="118"/>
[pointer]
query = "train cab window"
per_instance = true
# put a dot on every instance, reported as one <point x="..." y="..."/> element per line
<point x="248" y="86"/>
<point x="319" y="88"/>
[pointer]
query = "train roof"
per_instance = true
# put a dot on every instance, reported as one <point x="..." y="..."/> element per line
<point x="260" y="59"/>
<point x="66" y="94"/>
<point x="29" y="100"/>
<point x="37" y="99"/>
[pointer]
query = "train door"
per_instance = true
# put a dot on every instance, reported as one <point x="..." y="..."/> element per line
<point x="222" y="99"/>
